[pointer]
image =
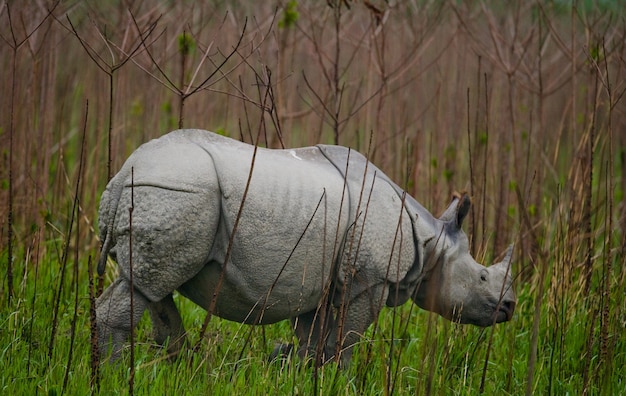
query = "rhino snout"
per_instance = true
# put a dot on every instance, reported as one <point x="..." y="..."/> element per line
<point x="504" y="312"/>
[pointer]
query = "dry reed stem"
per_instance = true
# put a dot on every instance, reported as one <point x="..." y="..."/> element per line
<point x="77" y="198"/>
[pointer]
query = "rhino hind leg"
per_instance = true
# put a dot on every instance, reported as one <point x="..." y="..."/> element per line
<point x="167" y="325"/>
<point x="113" y="312"/>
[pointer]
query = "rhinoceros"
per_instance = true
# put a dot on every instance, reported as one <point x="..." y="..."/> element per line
<point x="317" y="235"/>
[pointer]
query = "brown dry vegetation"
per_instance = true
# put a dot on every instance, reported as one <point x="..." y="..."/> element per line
<point x="520" y="103"/>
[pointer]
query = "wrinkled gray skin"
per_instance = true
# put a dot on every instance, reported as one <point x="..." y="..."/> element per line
<point x="314" y="240"/>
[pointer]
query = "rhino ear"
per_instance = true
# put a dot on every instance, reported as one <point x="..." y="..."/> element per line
<point x="457" y="210"/>
<point x="463" y="208"/>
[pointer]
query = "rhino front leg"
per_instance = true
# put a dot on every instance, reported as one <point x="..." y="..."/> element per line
<point x="360" y="313"/>
<point x="113" y="310"/>
<point x="313" y="333"/>
<point x="167" y="324"/>
<point x="310" y="332"/>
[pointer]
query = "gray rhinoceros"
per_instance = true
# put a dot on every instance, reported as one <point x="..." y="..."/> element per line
<point x="317" y="235"/>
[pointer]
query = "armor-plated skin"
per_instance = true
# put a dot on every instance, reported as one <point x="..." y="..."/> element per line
<point x="321" y="230"/>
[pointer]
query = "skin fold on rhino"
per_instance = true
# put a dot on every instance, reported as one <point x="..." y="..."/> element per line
<point x="324" y="239"/>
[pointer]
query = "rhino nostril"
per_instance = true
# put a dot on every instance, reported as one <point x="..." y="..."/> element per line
<point x="508" y="306"/>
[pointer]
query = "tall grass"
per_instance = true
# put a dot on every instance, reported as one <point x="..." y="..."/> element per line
<point x="522" y="104"/>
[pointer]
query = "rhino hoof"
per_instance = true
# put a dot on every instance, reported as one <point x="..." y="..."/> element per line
<point x="281" y="352"/>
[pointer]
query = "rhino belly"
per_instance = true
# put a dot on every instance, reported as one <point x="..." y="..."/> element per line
<point x="245" y="301"/>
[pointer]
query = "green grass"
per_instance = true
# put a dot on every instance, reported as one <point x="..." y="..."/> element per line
<point x="426" y="352"/>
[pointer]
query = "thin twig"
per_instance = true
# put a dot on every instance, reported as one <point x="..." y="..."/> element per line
<point x="78" y="192"/>
<point x="131" y="376"/>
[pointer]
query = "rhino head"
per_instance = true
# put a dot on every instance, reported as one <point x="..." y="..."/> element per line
<point x="454" y="285"/>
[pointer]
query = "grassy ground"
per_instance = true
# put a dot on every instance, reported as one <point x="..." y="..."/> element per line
<point x="427" y="354"/>
<point x="521" y="104"/>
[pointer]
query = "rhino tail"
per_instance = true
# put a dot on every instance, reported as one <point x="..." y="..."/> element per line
<point x="107" y="217"/>
<point x="104" y="253"/>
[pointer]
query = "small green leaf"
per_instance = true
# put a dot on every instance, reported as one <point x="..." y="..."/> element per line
<point x="186" y="45"/>
<point x="136" y="108"/>
<point x="511" y="211"/>
<point x="290" y="15"/>
<point x="524" y="135"/>
<point x="450" y="152"/>
<point x="482" y="137"/>
<point x="595" y="53"/>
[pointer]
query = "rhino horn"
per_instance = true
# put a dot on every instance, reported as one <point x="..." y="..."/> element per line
<point x="507" y="257"/>
<point x="457" y="210"/>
